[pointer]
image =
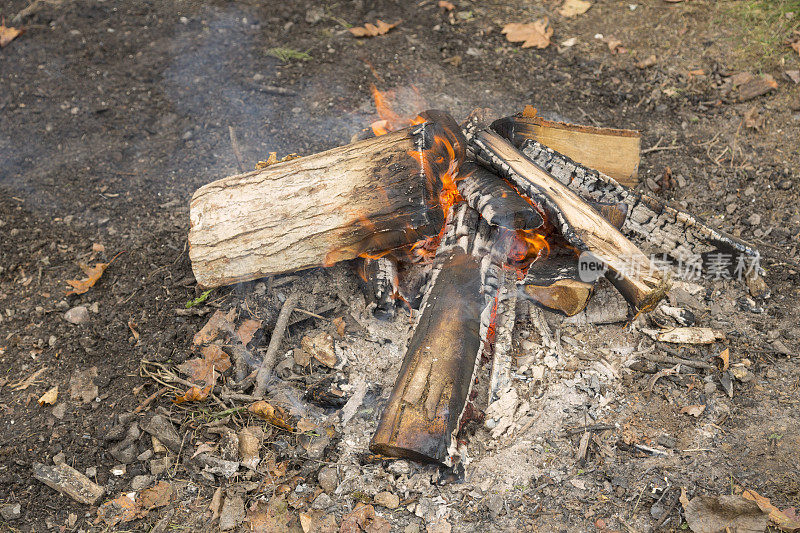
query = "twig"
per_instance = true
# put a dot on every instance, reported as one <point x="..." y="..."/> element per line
<point x="268" y="362"/>
<point x="648" y="449"/>
<point x="273" y="89"/>
<point x="660" y="374"/>
<point x="309" y="313"/>
<point x="657" y="147"/>
<point x="236" y="152"/>
<point x="595" y="427"/>
<point x="658" y="358"/>
<point x="147" y="401"/>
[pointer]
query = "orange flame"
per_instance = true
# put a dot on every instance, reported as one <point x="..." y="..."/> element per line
<point x="527" y="247"/>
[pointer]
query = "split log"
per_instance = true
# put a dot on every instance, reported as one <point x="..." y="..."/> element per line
<point x="581" y="225"/>
<point x="381" y="278"/>
<point x="423" y="413"/>
<point x="363" y="198"/>
<point x="504" y="318"/>
<point x="612" y="151"/>
<point x="495" y="199"/>
<point x="681" y="235"/>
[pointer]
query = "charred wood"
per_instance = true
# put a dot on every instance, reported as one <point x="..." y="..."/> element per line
<point x="581" y="225"/>
<point x="366" y="197"/>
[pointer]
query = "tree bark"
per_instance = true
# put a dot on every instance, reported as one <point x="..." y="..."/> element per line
<point x="362" y="198"/>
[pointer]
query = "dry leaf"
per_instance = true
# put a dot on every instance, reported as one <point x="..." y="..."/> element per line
<point x="273" y="415"/>
<point x="8" y="34"/>
<point x="444" y="4"/>
<point x="98" y="248"/>
<point x="570" y="8"/>
<point x="305" y="424"/>
<point x="693" y="410"/>
<point x="93" y="275"/>
<point x="120" y="509"/>
<point x="50" y="397"/>
<point x="154" y="497"/>
<point x="532" y="34"/>
<point x="372" y="30"/>
<point x="194" y="394"/>
<point x="649" y="62"/>
<point x="215" y="355"/>
<point x="615" y="45"/>
<point x="247" y="329"/>
<point x="341" y="325"/>
<point x="132" y="327"/>
<point x="785" y="522"/>
<point x="725" y="359"/>
<point x="218" y="321"/>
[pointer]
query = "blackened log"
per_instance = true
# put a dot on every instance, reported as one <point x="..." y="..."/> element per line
<point x="495" y="199"/>
<point x="363" y="198"/>
<point x="681" y="235"/>
<point x="581" y="225"/>
<point x="555" y="284"/>
<point x="381" y="277"/>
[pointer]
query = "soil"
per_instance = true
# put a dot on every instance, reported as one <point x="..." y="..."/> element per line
<point x="113" y="113"/>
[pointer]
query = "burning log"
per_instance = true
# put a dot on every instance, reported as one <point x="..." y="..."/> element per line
<point x="382" y="284"/>
<point x="497" y="201"/>
<point x="681" y="235"/>
<point x="614" y="152"/>
<point x="366" y="197"/>
<point x="580" y="224"/>
<point x="422" y="415"/>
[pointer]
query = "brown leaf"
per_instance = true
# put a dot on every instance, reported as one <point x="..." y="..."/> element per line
<point x="157" y="496"/>
<point x="8" y="34"/>
<point x="571" y="8"/>
<point x="751" y="86"/>
<point x="247" y="329"/>
<point x="725" y="359"/>
<point x="120" y="509"/>
<point x="447" y="6"/>
<point x="615" y="45"/>
<point x="786" y="522"/>
<point x="194" y="394"/>
<point x="132" y="327"/>
<point x="710" y="514"/>
<point x="649" y="62"/>
<point x="218" y="321"/>
<point x="273" y="415"/>
<point x="50" y="397"/>
<point x="373" y="30"/>
<point x="693" y="410"/>
<point x="357" y="519"/>
<point x="93" y="276"/>
<point x="341" y="325"/>
<point x="532" y="34"/>
<point x="273" y="516"/>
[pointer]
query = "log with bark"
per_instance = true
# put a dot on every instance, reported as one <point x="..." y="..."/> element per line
<point x="362" y="198"/>
<point x="422" y="416"/>
<point x="578" y="223"/>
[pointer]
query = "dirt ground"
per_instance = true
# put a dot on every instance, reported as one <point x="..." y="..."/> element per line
<point x="112" y="113"/>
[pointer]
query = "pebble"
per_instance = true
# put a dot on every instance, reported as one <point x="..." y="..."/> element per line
<point x="785" y="185"/>
<point x="413" y="527"/>
<point x="388" y="500"/>
<point x="77" y="315"/>
<point x="11" y="511"/>
<point x="140" y="482"/>
<point x="323" y="501"/>
<point x="60" y="410"/>
<point x="709" y="388"/>
<point x="754" y="219"/>
<point x="328" y="479"/>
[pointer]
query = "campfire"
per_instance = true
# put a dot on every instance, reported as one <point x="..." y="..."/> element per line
<point x="456" y="223"/>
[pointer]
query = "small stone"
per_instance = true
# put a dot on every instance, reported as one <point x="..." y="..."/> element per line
<point x="52" y="341"/>
<point x="118" y="470"/>
<point x="232" y="513"/>
<point x="730" y="208"/>
<point x="388" y="500"/>
<point x="754" y="219"/>
<point x="785" y="185"/>
<point x="413" y="527"/>
<point x="11" y="511"/>
<point x="77" y="315"/>
<point x="145" y="455"/>
<point x="59" y="458"/>
<point x="159" y="466"/>
<point x="400" y="468"/>
<point x="709" y="388"/>
<point x="187" y="135"/>
<point x="94" y="308"/>
<point x="323" y="501"/>
<point x="328" y="479"/>
<point x="141" y="482"/>
<point x="59" y="410"/>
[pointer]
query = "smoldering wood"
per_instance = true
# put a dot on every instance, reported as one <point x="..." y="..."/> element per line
<point x="555" y="284"/>
<point x="649" y="220"/>
<point x="505" y="317"/>
<point x="382" y="284"/>
<point x="423" y="411"/>
<point x="495" y="199"/>
<point x="581" y="225"/>
<point x="614" y="152"/>
<point x="366" y="197"/>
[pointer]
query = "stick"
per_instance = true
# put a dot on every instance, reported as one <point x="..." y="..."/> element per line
<point x="147" y="401"/>
<point x="265" y="369"/>
<point x="657" y="358"/>
<point x="236" y="152"/>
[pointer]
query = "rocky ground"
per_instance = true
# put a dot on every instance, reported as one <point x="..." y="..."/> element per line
<point x="113" y="113"/>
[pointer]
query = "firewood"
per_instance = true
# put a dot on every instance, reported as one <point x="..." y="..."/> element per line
<point x="381" y="277"/>
<point x="495" y="199"/>
<point x="664" y="229"/>
<point x="581" y="225"/>
<point x="370" y="196"/>
<point x="612" y="151"/>
<point x="504" y="319"/>
<point x="422" y="415"/>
